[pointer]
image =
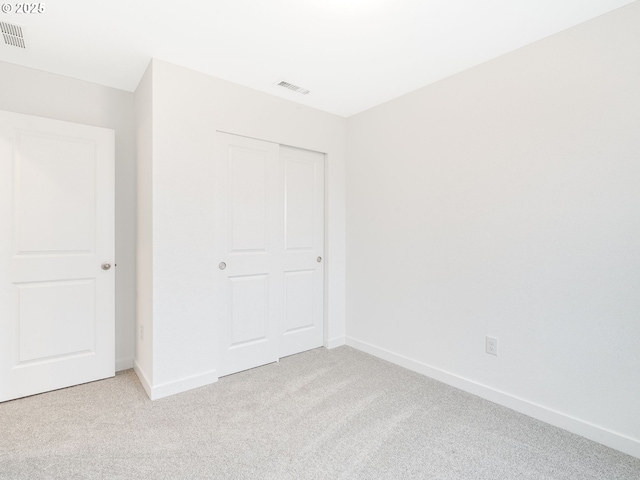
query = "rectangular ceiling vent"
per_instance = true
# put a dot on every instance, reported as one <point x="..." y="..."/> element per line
<point x="12" y="34"/>
<point x="295" y="88"/>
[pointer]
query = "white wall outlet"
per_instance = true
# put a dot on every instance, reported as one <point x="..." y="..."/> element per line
<point x="141" y="333"/>
<point x="492" y="346"/>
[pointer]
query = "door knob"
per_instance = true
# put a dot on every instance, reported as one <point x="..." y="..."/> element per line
<point x="106" y="266"/>
<point x="319" y="259"/>
<point x="222" y="265"/>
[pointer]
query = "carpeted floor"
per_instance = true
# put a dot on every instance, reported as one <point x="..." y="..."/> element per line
<point x="338" y="414"/>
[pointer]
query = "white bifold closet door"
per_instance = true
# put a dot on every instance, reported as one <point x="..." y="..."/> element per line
<point x="269" y="245"/>
<point x="56" y="254"/>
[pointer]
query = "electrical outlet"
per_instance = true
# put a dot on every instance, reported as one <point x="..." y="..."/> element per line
<point x="142" y="333"/>
<point x="492" y="346"/>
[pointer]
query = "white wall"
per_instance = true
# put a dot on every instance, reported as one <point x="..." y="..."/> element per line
<point x="33" y="92"/>
<point x="505" y="201"/>
<point x="144" y="244"/>
<point x="188" y="108"/>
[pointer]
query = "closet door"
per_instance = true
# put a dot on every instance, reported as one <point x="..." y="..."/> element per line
<point x="248" y="248"/>
<point x="268" y="282"/>
<point x="303" y="262"/>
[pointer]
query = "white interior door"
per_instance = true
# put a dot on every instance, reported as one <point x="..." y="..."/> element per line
<point x="303" y="262"/>
<point x="57" y="217"/>
<point x="269" y="242"/>
<point x="248" y="247"/>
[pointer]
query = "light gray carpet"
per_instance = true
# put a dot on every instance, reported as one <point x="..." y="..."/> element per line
<point x="338" y="414"/>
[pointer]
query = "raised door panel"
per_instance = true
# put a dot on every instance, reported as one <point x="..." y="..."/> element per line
<point x="44" y="307"/>
<point x="248" y="199"/>
<point x="249" y="314"/>
<point x="300" y="211"/>
<point x="298" y="301"/>
<point x="61" y="170"/>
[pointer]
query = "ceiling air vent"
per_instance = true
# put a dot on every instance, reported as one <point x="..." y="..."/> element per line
<point x="294" y="88"/>
<point x="12" y="34"/>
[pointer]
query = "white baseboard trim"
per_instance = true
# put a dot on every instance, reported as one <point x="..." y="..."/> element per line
<point x="335" y="342"/>
<point x="176" y="386"/>
<point x="184" y="384"/>
<point x="588" y="430"/>
<point x="144" y="381"/>
<point x="124" y="364"/>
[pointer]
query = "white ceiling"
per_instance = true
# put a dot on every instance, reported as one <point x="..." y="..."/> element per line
<point x="351" y="54"/>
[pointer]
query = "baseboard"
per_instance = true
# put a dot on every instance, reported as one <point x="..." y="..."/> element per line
<point x="184" y="384"/>
<point x="335" y="342"/>
<point x="178" y="386"/>
<point x="144" y="381"/>
<point x="588" y="430"/>
<point x="124" y="364"/>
